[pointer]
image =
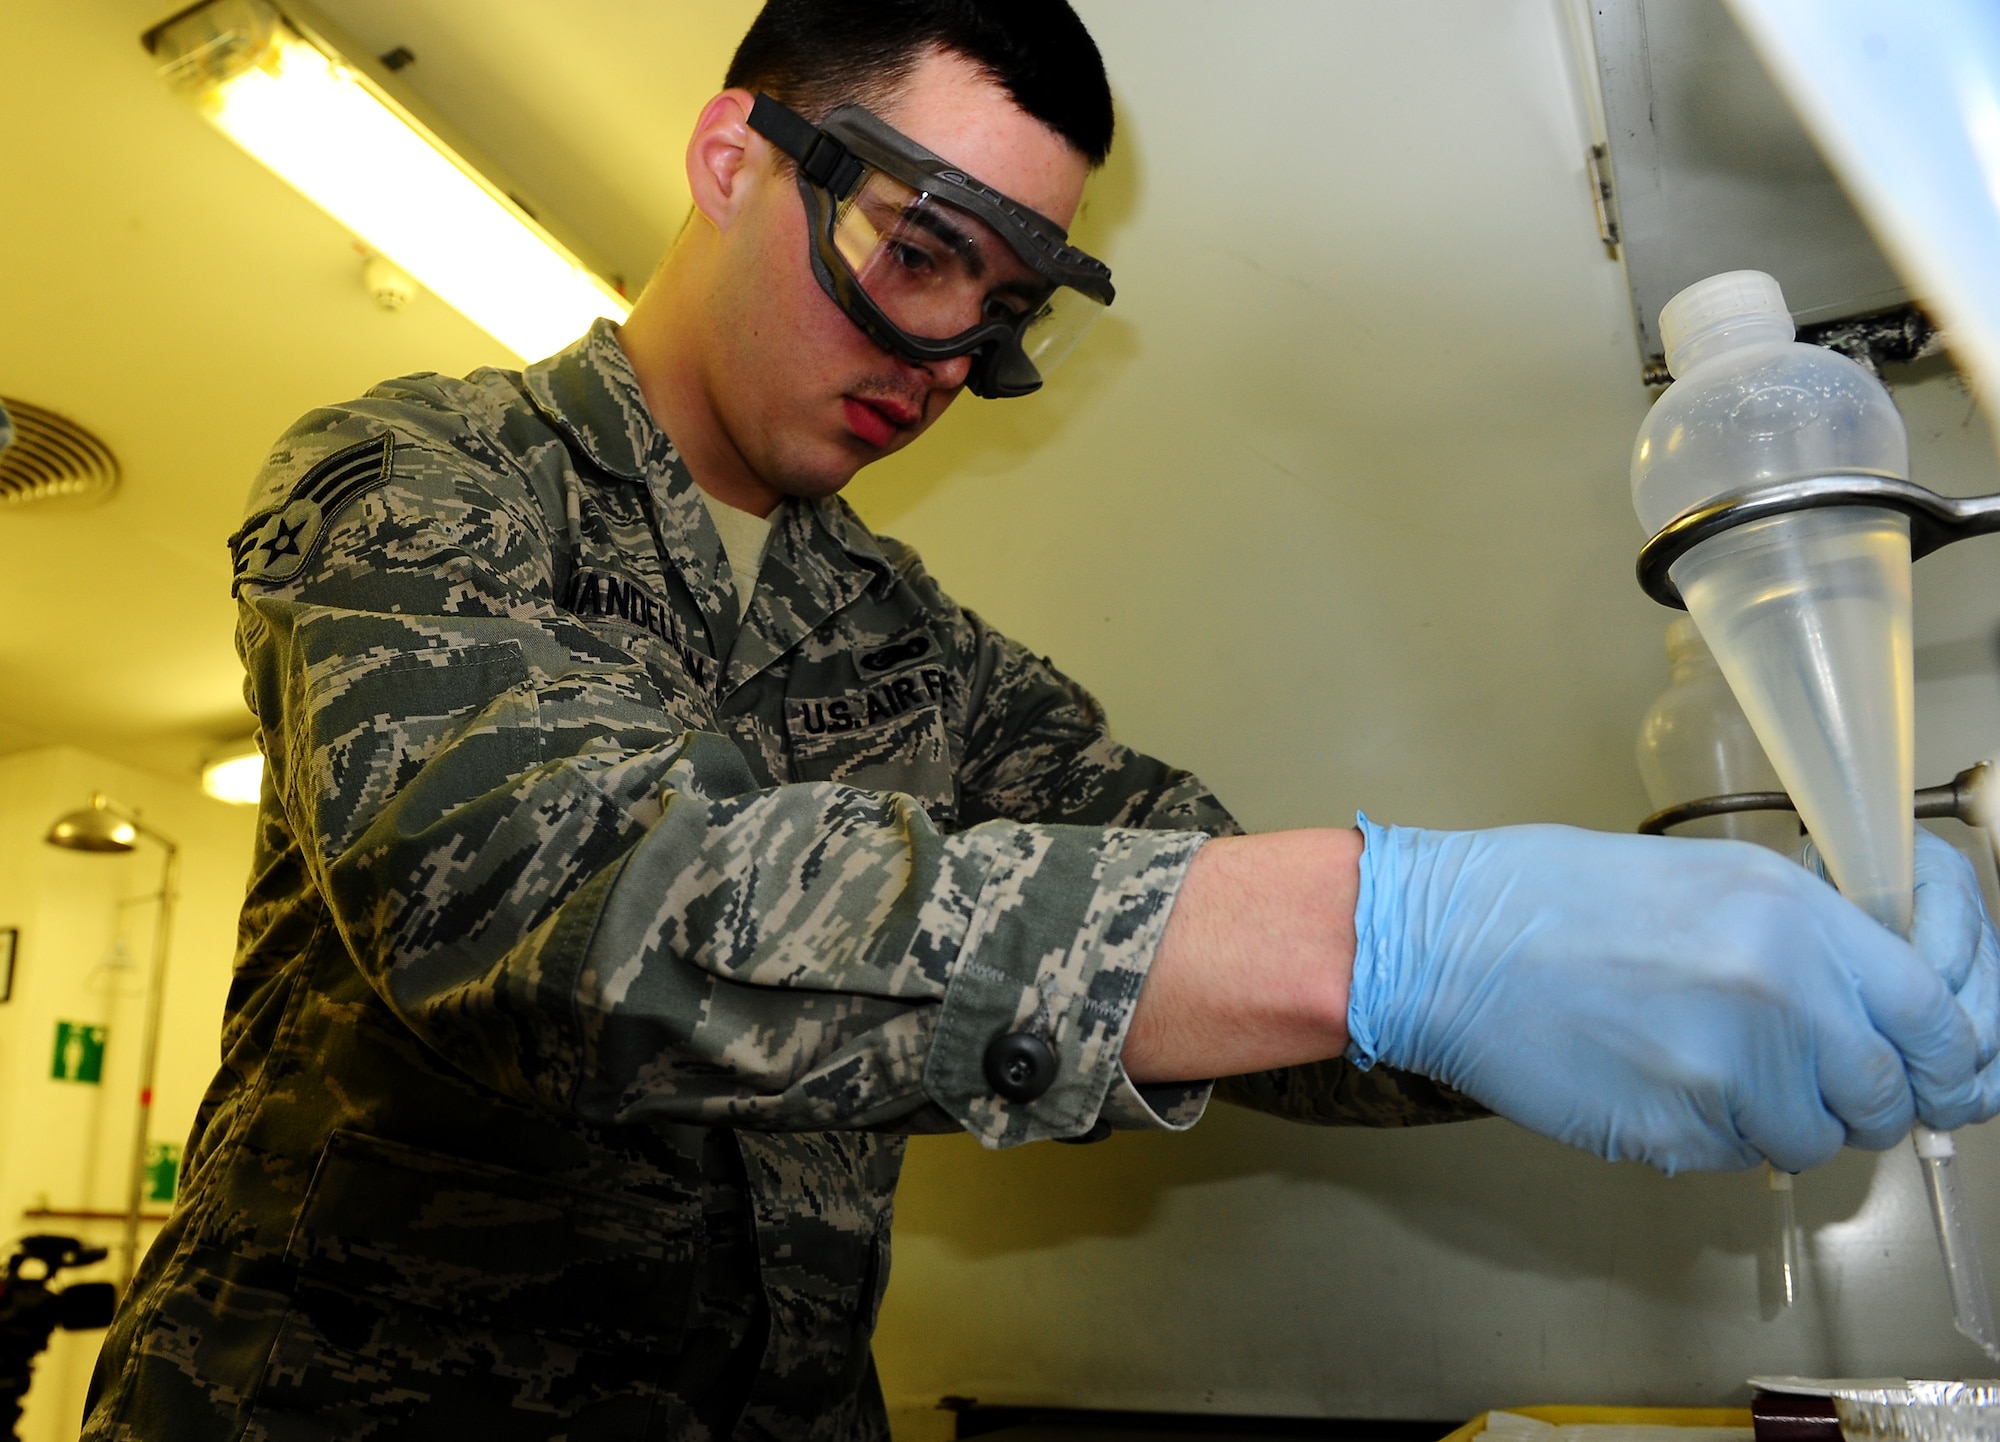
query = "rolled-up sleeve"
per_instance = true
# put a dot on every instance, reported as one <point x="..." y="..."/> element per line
<point x="815" y="956"/>
<point x="1039" y="749"/>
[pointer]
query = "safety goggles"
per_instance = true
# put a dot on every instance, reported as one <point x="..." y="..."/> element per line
<point x="929" y="262"/>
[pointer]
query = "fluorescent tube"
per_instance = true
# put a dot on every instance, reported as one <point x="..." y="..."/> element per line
<point x="343" y="144"/>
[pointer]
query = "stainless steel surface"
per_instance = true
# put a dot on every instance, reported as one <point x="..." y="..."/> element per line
<point x="1712" y="172"/>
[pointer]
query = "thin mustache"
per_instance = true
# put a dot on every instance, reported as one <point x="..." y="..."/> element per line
<point x="899" y="389"/>
<point x="917" y="400"/>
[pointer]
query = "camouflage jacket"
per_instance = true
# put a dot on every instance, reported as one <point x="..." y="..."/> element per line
<point x="600" y="949"/>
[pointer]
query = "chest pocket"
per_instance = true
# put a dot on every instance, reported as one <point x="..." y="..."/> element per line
<point x="883" y="733"/>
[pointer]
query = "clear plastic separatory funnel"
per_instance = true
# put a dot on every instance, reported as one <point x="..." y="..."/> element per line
<point x="1809" y="619"/>
<point x="1807" y="612"/>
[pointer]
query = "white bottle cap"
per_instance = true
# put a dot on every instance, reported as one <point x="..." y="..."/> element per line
<point x="1748" y="301"/>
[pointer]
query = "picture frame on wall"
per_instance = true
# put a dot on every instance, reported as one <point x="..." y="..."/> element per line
<point x="10" y="942"/>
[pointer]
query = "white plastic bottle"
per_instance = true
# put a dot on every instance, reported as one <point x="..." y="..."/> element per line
<point x="1696" y="742"/>
<point x="1808" y="614"/>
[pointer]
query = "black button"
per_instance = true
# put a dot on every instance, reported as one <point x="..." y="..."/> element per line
<point x="1019" y="1066"/>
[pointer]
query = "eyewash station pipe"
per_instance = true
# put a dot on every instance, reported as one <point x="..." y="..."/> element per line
<point x="1774" y="478"/>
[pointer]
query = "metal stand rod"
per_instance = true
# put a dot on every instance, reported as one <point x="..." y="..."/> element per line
<point x="149" y="1058"/>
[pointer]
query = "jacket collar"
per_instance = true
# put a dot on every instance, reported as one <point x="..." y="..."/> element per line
<point x="589" y="392"/>
<point x="820" y="557"/>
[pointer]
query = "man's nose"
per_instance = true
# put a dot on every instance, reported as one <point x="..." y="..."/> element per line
<point x="949" y="375"/>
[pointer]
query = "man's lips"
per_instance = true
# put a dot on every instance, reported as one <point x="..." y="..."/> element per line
<point x="877" y="421"/>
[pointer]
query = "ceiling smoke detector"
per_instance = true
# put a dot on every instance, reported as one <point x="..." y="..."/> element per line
<point x="391" y="285"/>
<point x="52" y="458"/>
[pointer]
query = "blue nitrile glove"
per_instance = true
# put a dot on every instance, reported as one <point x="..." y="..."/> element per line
<point x="1954" y="934"/>
<point x="1691" y="1004"/>
<point x="1950" y="930"/>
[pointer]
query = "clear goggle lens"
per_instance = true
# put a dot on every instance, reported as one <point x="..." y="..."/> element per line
<point x="937" y="272"/>
<point x="1054" y="332"/>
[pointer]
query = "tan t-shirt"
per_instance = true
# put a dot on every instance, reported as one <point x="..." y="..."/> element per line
<point x="744" y="537"/>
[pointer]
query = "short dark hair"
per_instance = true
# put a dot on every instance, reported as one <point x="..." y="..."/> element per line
<point x="815" y="55"/>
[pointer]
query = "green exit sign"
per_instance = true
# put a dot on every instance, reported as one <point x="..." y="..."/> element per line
<point x="79" y="1053"/>
<point x="163" y="1171"/>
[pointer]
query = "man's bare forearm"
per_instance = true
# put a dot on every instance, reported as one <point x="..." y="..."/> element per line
<point x="1252" y="972"/>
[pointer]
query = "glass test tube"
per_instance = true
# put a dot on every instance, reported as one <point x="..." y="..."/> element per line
<point x="1971" y="1307"/>
<point x="1784" y="1217"/>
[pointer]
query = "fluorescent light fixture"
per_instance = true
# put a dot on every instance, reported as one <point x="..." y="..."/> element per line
<point x="235" y="773"/>
<point x="339" y="140"/>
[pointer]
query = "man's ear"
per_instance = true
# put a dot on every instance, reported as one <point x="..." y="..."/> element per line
<point x="722" y="154"/>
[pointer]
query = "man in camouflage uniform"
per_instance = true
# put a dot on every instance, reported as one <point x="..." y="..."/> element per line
<point x="588" y="913"/>
<point x="603" y="944"/>
<point x="607" y="933"/>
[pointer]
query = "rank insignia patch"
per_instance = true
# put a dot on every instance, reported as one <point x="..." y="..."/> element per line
<point x="274" y="544"/>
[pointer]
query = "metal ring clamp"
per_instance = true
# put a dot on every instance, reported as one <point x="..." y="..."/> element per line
<point x="1957" y="798"/>
<point x="1935" y="521"/>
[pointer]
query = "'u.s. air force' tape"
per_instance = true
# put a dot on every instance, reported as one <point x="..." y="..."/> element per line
<point x="274" y="544"/>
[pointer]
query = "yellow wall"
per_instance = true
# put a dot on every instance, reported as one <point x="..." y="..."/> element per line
<point x="86" y="930"/>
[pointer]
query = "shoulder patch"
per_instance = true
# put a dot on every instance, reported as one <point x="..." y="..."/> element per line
<point x="275" y="544"/>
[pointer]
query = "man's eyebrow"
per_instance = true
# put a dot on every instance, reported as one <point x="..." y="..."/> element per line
<point x="925" y="218"/>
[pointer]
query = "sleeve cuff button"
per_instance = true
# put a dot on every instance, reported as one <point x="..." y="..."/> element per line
<point x="1020" y="1066"/>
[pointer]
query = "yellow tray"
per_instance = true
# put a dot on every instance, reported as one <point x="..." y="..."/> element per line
<point x="1656" y="1416"/>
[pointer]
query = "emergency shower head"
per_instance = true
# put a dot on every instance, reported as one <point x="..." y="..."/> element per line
<point x="95" y="828"/>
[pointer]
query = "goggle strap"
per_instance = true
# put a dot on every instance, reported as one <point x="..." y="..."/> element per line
<point x="821" y="159"/>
